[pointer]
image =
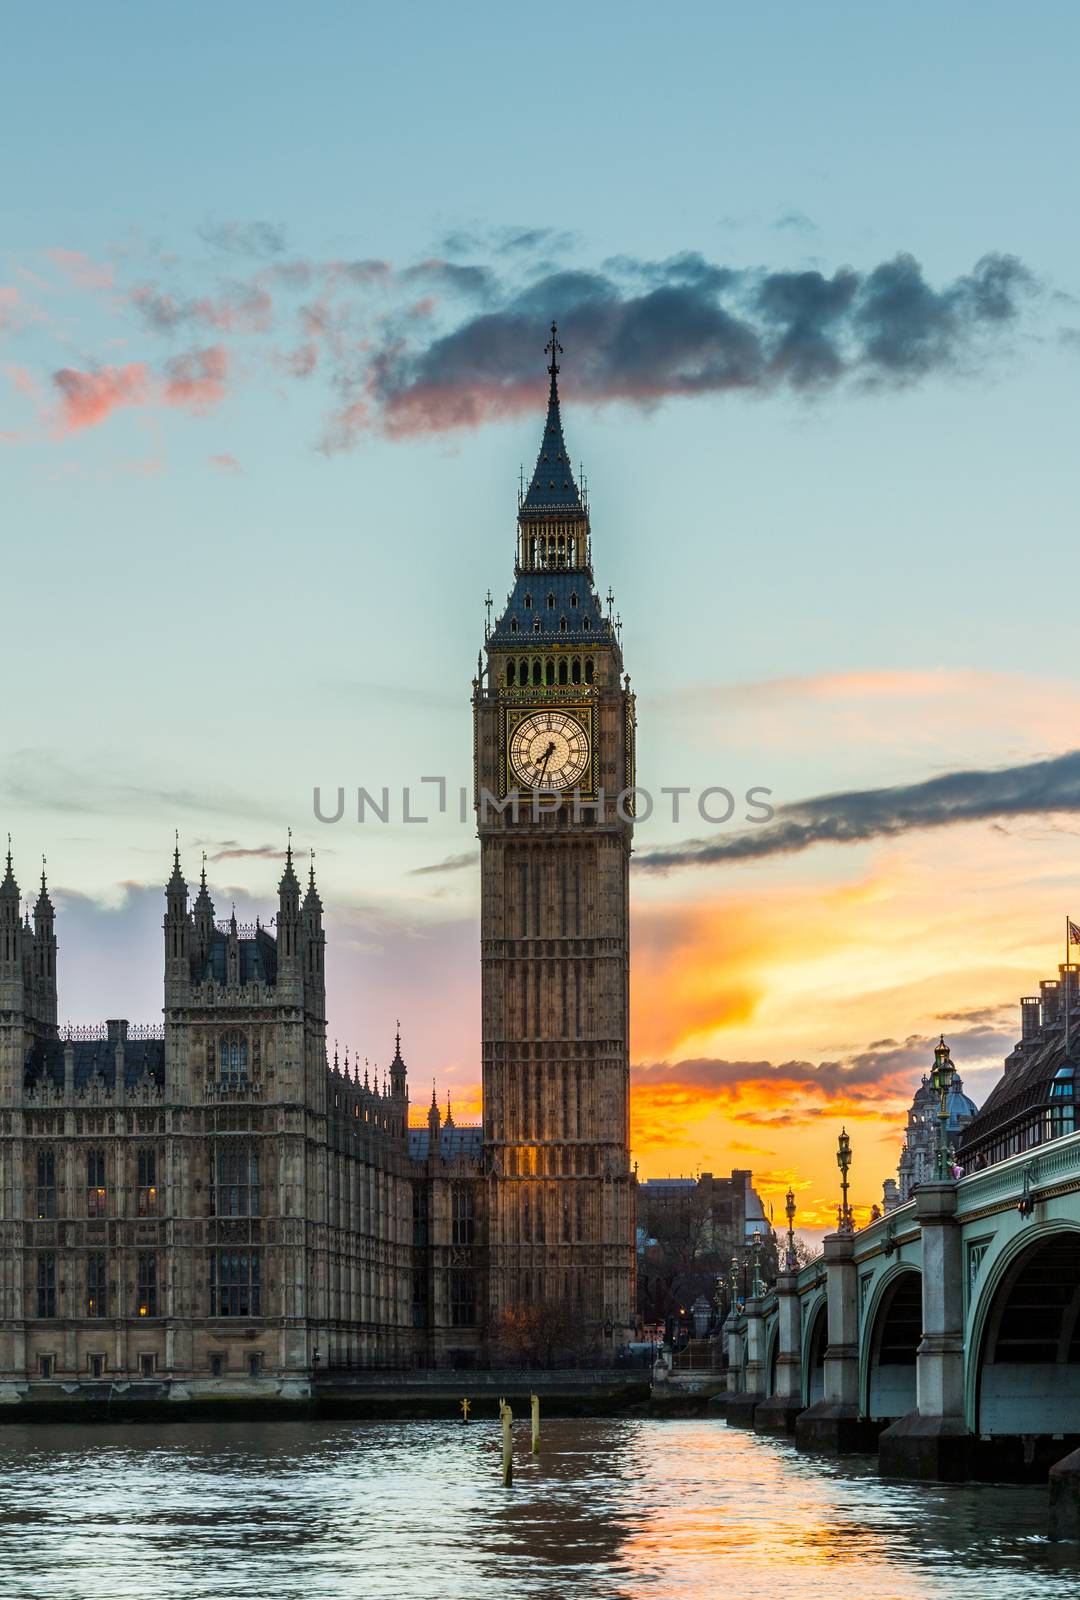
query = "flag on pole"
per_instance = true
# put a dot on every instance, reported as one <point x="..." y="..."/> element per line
<point x="1074" y="931"/>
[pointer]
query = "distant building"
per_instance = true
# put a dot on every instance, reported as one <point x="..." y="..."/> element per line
<point x="919" y="1155"/>
<point x="1035" y="1099"/>
<point x="689" y="1231"/>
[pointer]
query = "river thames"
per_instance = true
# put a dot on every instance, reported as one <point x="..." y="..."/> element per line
<point x="620" y="1507"/>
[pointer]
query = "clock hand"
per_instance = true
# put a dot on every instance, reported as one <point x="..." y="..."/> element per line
<point x="548" y="753"/>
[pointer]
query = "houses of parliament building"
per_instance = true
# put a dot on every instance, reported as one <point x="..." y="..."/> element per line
<point x="211" y="1206"/>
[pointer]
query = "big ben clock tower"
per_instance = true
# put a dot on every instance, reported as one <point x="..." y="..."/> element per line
<point x="554" y="766"/>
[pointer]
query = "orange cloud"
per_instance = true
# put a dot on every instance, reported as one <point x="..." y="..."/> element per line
<point x="197" y="379"/>
<point x="81" y="270"/>
<point x="87" y="398"/>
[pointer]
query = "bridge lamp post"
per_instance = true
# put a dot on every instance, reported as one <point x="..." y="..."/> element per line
<point x="733" y="1279"/>
<point x="789" y="1209"/>
<point x="941" y="1077"/>
<point x="757" y="1283"/>
<point x="843" y="1161"/>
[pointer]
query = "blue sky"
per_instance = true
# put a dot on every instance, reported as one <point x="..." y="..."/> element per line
<point x="860" y="585"/>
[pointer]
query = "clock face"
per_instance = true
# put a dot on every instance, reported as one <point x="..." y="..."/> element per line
<point x="549" y="750"/>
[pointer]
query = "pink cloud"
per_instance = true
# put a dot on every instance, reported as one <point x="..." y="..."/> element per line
<point x="87" y="398"/>
<point x="226" y="463"/>
<point x="244" y="308"/>
<point x="197" y="379"/>
<point x="81" y="270"/>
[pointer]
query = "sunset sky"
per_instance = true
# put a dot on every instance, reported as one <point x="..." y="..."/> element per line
<point x="274" y="291"/>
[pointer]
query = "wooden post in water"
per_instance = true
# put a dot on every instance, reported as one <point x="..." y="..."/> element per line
<point x="535" y="1424"/>
<point x="508" y="1449"/>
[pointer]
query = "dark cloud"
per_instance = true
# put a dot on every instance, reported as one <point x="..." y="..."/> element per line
<point x="230" y="850"/>
<point x="468" y="858"/>
<point x="855" y="816"/>
<point x="646" y="331"/>
<point x="245" y="238"/>
<point x="795" y="222"/>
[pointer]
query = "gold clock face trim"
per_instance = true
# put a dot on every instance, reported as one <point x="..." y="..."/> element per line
<point x="548" y="749"/>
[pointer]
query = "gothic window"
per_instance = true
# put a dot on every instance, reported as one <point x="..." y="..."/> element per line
<point x="46" y="1285"/>
<point x="513" y="624"/>
<point x="563" y="674"/>
<point x="211" y="1054"/>
<point x="235" y="1286"/>
<point x="551" y="602"/>
<point x="536" y="624"/>
<point x="234" y="1180"/>
<point x="588" y="669"/>
<point x="96" y="1192"/>
<point x="562" y="624"/>
<point x="463" y="1215"/>
<point x="585" y="623"/>
<point x="233" y="1056"/>
<point x="146" y="1184"/>
<point x="419" y="1215"/>
<point x="566" y="1219"/>
<point x="537" y="672"/>
<point x="147" y="1286"/>
<point x="575" y="670"/>
<point x="550" y="674"/>
<point x="574" y="601"/>
<point x="511" y="671"/>
<point x="97" y="1287"/>
<point x="462" y="1300"/>
<point x="46" y="1183"/>
<point x="528" y="602"/>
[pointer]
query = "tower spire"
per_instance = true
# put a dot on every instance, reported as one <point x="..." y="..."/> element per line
<point x="552" y="488"/>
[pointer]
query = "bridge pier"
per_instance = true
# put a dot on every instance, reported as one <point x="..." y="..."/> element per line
<point x="933" y="1441"/>
<point x="741" y="1407"/>
<point x="1065" y="1498"/>
<point x="834" y="1425"/>
<point x="778" y="1412"/>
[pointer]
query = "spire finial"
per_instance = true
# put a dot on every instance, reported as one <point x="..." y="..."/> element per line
<point x="202" y="877"/>
<point x="311" y="870"/>
<point x="9" y="852"/>
<point x="43" y="864"/>
<point x="288" y="850"/>
<point x="553" y="349"/>
<point x="176" y="849"/>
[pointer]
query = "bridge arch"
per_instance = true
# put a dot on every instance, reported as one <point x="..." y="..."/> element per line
<point x="772" y="1355"/>
<point x="815" y="1340"/>
<point x="892" y="1329"/>
<point x="1024" y="1344"/>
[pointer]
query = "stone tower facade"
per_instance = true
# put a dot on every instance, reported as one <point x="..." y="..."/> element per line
<point x="554" y="773"/>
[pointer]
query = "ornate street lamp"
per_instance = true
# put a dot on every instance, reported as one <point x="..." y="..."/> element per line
<point x="757" y="1282"/>
<point x="843" y="1161"/>
<point x="733" y="1281"/>
<point x="789" y="1208"/>
<point x="941" y="1077"/>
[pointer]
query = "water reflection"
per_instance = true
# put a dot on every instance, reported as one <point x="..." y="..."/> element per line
<point x="614" y="1508"/>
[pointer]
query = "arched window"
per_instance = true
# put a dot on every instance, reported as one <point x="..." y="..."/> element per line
<point x="513" y="624"/>
<point x="528" y="602"/>
<point x="550" y="671"/>
<point x="563" y="673"/>
<point x="538" y="672"/>
<point x="588" y="669"/>
<point x="97" y="1195"/>
<point x="46" y="1183"/>
<point x="575" y="670"/>
<point x="551" y="602"/>
<point x="574" y="601"/>
<point x="536" y="624"/>
<point x="511" y="671"/>
<point x="562" y="624"/>
<point x="233" y="1055"/>
<point x="585" y="623"/>
<point x="234" y="1180"/>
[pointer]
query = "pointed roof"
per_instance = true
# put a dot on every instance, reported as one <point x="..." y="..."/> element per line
<point x="288" y="877"/>
<point x="44" y="904"/>
<point x="552" y="487"/>
<point x="176" y="882"/>
<point x="9" y="887"/>
<point x="203" y="902"/>
<point x="311" y="899"/>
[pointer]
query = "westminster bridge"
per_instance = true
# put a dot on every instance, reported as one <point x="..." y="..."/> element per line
<point x="946" y="1335"/>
